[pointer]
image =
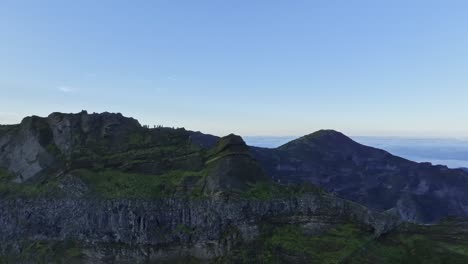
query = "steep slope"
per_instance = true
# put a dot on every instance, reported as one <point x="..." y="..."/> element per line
<point x="232" y="167"/>
<point x="421" y="192"/>
<point x="100" y="188"/>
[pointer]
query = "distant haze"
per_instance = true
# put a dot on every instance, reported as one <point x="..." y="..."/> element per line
<point x="450" y="152"/>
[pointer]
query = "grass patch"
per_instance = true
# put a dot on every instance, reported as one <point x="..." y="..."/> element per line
<point x="46" y="252"/>
<point x="117" y="184"/>
<point x="291" y="244"/>
<point x="444" y="243"/>
<point x="271" y="190"/>
<point x="183" y="229"/>
<point x="8" y="188"/>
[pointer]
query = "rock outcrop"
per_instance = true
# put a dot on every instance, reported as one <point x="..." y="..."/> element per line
<point x="40" y="146"/>
<point x="232" y="167"/>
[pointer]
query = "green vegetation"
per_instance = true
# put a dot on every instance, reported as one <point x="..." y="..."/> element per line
<point x="443" y="243"/>
<point x="345" y="243"/>
<point x="271" y="190"/>
<point x="292" y="244"/>
<point x="227" y="146"/>
<point x="166" y="149"/>
<point x="181" y="228"/>
<point x="10" y="188"/>
<point x="117" y="184"/>
<point x="73" y="252"/>
<point x="42" y="252"/>
<point x="446" y="242"/>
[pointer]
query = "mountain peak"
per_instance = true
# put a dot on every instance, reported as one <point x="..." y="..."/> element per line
<point x="232" y="167"/>
<point x="326" y="137"/>
<point x="326" y="134"/>
<point x="232" y="143"/>
<point x="231" y="139"/>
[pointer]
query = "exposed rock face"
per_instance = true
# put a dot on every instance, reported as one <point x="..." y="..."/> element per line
<point x="372" y="177"/>
<point x="50" y="152"/>
<point x="73" y="130"/>
<point x="23" y="149"/>
<point x="34" y="147"/>
<point x="40" y="147"/>
<point x="209" y="190"/>
<point x="171" y="228"/>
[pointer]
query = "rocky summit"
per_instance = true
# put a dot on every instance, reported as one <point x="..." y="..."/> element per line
<point x="101" y="188"/>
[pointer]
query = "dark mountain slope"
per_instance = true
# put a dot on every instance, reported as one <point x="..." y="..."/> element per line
<point x="373" y="177"/>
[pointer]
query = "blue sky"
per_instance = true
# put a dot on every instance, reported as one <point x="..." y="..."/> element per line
<point x="250" y="67"/>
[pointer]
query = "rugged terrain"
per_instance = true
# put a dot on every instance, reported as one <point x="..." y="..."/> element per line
<point x="101" y="188"/>
<point x="420" y="192"/>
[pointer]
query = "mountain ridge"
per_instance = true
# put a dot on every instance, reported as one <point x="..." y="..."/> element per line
<point x="368" y="175"/>
<point x="120" y="192"/>
<point x="326" y="158"/>
<point x="164" y="193"/>
<point x="424" y="181"/>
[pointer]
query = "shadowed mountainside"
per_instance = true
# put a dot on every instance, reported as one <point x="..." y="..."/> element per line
<point x="373" y="177"/>
<point x="421" y="192"/>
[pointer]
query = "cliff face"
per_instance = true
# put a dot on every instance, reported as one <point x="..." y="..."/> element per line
<point x="42" y="146"/>
<point x="170" y="228"/>
<point x="101" y="188"/>
<point x="23" y="149"/>
<point x="41" y="149"/>
<point x="127" y="193"/>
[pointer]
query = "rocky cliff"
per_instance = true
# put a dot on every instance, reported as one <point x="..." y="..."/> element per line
<point x="101" y="188"/>
<point x="120" y="192"/>
<point x="169" y="228"/>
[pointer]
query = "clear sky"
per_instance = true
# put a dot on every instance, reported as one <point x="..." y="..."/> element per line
<point x="250" y="67"/>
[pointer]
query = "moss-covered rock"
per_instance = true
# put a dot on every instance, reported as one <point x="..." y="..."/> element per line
<point x="231" y="167"/>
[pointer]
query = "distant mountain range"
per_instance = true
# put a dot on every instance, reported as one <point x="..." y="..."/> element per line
<point x="439" y="151"/>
